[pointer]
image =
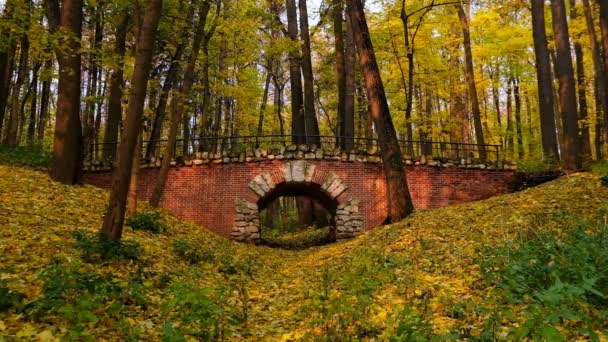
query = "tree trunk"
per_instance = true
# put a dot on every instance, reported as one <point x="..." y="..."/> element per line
<point x="601" y="93"/>
<point x="604" y="30"/>
<point x="399" y="200"/>
<point x="67" y="143"/>
<point x="263" y="106"/>
<point x="510" y="141"/>
<point x="545" y="82"/>
<point x="310" y="113"/>
<point x="114" y="218"/>
<point x="31" y="126"/>
<point x="115" y="92"/>
<point x="581" y="82"/>
<point x="470" y="79"/>
<point x="298" y="122"/>
<point x="44" y="101"/>
<point x="518" y="128"/>
<point x="180" y="104"/>
<point x="132" y="195"/>
<point x="12" y="128"/>
<point x="161" y="108"/>
<point x="567" y="91"/>
<point x="338" y="11"/>
<point x="349" y="100"/>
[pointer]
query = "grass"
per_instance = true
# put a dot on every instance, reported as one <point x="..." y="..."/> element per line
<point x="441" y="274"/>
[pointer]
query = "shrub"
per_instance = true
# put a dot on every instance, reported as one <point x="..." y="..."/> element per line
<point x="34" y="157"/>
<point x="96" y="247"/>
<point x="81" y="297"/>
<point x="192" y="254"/>
<point x="203" y="313"/>
<point x="8" y="298"/>
<point x="536" y="165"/>
<point x="148" y="221"/>
<point x="558" y="278"/>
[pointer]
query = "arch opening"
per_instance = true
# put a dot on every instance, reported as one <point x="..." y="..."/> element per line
<point x="324" y="191"/>
<point x="296" y="216"/>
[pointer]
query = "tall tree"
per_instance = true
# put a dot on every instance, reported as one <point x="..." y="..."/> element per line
<point x="114" y="218"/>
<point x="310" y="114"/>
<point x="66" y="21"/>
<point x="338" y="12"/>
<point x="180" y="104"/>
<point x="567" y="90"/>
<point x="399" y="200"/>
<point x="114" y="109"/>
<point x="11" y="136"/>
<point x="470" y="77"/>
<point x="298" y="122"/>
<point x="581" y="83"/>
<point x="601" y="95"/>
<point x="545" y="82"/>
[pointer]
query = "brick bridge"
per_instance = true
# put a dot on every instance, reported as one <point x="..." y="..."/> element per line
<point x="226" y="191"/>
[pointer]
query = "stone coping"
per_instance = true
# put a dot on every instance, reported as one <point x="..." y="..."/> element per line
<point x="304" y="152"/>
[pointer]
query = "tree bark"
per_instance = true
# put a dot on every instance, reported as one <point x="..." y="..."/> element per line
<point x="349" y="100"/>
<point x="31" y="126"/>
<point x="44" y="101"/>
<point x="178" y="108"/>
<point x="399" y="200"/>
<point x="132" y="195"/>
<point x="567" y="91"/>
<point x="518" y="127"/>
<point x="67" y="143"/>
<point x="604" y="30"/>
<point x="470" y="79"/>
<point x="310" y="113"/>
<point x="10" y="138"/>
<point x="115" y="92"/>
<point x="298" y="122"/>
<point x="338" y="11"/>
<point x="581" y="83"/>
<point x="114" y="218"/>
<point x="260" y="130"/>
<point x="545" y="83"/>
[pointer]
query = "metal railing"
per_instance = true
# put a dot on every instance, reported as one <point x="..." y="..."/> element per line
<point x="154" y="149"/>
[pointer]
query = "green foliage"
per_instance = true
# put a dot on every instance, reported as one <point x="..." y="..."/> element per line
<point x="601" y="168"/>
<point x="530" y="165"/>
<point x="149" y="221"/>
<point x="558" y="277"/>
<point x="305" y="238"/>
<point x="81" y="297"/>
<point x="9" y="299"/>
<point x="33" y="157"/>
<point x="344" y="303"/>
<point x="97" y="247"/>
<point x="203" y="313"/>
<point x="191" y="253"/>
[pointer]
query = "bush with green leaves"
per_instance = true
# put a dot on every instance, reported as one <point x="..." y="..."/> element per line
<point x="150" y="221"/>
<point x="9" y="299"/>
<point x="203" y="313"/>
<point x="80" y="296"/>
<point x="559" y="279"/>
<point x="34" y="157"/>
<point x="97" y="247"/>
<point x="192" y="253"/>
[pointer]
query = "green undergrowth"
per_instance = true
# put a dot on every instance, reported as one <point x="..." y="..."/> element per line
<point x="530" y="265"/>
<point x="33" y="157"/>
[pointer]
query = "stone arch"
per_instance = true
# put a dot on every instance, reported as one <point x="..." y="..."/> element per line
<point x="298" y="176"/>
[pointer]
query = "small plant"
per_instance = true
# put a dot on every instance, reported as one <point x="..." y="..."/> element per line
<point x="536" y="165"/>
<point x="34" y="157"/>
<point x="192" y="254"/>
<point x="8" y="298"/>
<point x="80" y="296"/>
<point x="202" y="313"/>
<point x="149" y="221"/>
<point x="96" y="247"/>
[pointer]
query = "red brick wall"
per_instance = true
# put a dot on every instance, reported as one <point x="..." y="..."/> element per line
<point x="207" y="194"/>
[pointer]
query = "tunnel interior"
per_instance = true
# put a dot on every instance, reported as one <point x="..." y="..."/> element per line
<point x="296" y="216"/>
